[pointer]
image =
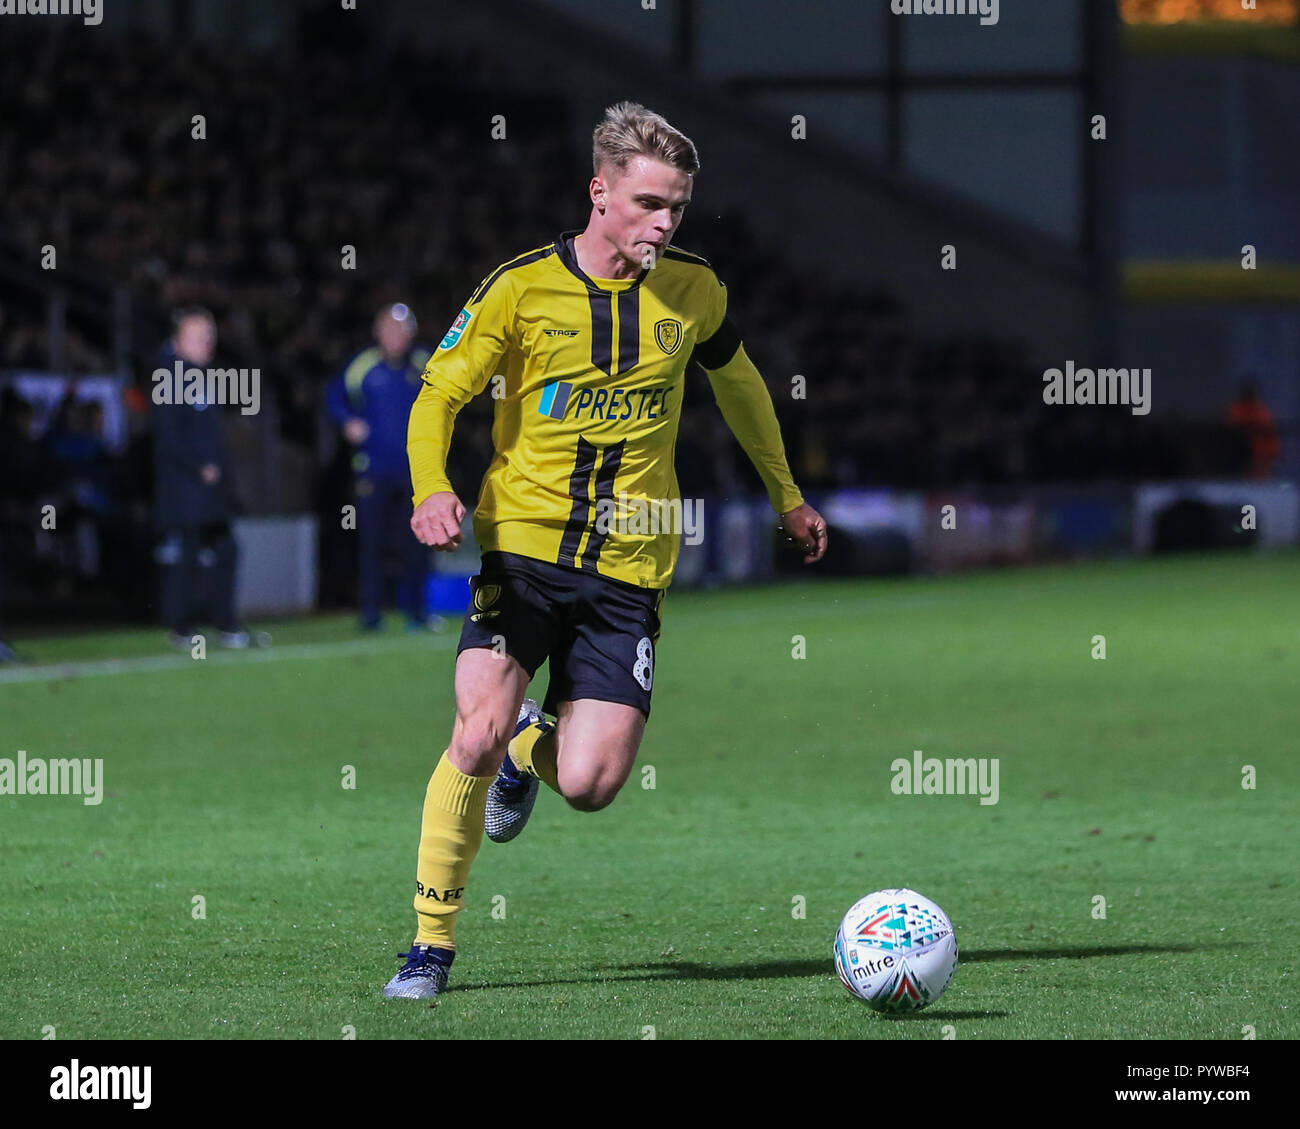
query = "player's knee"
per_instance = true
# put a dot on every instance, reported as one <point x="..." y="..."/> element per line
<point x="479" y="739"/>
<point x="592" y="796"/>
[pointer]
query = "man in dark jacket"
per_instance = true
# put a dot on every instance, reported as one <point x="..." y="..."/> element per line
<point x="196" y="551"/>
<point x="371" y="400"/>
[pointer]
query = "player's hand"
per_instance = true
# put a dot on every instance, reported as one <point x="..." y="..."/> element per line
<point x="437" y="519"/>
<point x="210" y="474"/>
<point x="806" y="529"/>
<point x="356" y="430"/>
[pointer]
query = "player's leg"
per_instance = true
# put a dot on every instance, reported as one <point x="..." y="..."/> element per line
<point x="596" y="744"/>
<point x="505" y="638"/>
<point x="514" y="792"/>
<point x="601" y="680"/>
<point x="489" y="689"/>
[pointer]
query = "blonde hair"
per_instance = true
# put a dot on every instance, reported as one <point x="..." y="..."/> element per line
<point x="630" y="130"/>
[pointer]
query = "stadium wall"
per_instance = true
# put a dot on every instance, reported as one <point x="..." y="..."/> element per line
<point x="866" y="229"/>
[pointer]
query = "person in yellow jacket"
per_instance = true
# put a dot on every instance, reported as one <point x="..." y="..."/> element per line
<point x="585" y="342"/>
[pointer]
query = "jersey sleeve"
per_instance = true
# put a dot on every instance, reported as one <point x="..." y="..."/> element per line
<point x="745" y="404"/>
<point x="457" y="371"/>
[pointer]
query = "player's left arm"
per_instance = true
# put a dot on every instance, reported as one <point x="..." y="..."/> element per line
<point x="747" y="407"/>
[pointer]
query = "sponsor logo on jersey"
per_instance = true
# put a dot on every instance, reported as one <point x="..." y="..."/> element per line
<point x="622" y="403"/>
<point x="456" y="330"/>
<point x="668" y="335"/>
<point x="560" y="332"/>
<point x="603" y="403"/>
<point x="555" y="398"/>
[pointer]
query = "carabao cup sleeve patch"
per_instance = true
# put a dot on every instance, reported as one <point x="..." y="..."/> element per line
<point x="457" y="330"/>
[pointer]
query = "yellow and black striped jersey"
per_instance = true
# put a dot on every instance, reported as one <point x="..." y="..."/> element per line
<point x="587" y="375"/>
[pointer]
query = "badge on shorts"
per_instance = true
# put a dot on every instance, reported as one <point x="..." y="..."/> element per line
<point x="485" y="595"/>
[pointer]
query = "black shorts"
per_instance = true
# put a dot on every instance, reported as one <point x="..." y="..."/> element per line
<point x="598" y="633"/>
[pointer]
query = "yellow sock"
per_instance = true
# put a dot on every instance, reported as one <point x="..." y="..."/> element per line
<point x="534" y="752"/>
<point x="451" y="833"/>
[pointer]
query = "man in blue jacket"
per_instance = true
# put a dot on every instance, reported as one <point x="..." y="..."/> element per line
<point x="371" y="401"/>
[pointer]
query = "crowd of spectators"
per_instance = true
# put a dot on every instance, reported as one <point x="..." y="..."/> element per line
<point x="306" y="153"/>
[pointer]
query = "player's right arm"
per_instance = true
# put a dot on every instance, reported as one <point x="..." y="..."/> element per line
<point x="458" y="371"/>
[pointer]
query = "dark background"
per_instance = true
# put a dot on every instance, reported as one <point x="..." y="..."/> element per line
<point x="373" y="128"/>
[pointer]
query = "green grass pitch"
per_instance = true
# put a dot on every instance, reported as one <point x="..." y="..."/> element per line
<point x="673" y="912"/>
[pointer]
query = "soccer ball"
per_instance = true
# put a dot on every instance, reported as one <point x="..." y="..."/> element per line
<point x="896" y="950"/>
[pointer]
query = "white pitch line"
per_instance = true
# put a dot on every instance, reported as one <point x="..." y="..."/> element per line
<point x="344" y="648"/>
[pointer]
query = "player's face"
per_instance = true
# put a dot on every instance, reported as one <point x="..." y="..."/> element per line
<point x="643" y="208"/>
